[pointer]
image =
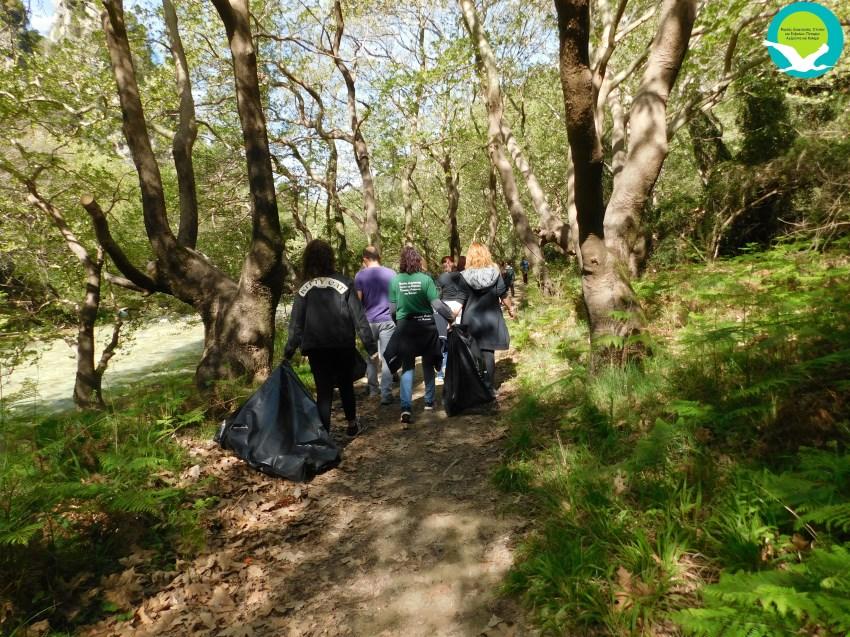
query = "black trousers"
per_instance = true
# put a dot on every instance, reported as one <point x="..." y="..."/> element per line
<point x="489" y="357"/>
<point x="333" y="368"/>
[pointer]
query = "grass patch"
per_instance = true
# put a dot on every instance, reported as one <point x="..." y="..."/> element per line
<point x="705" y="490"/>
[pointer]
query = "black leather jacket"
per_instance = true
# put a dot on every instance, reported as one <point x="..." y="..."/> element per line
<point x="325" y="314"/>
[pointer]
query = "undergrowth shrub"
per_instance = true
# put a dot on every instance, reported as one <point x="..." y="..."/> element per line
<point x="706" y="489"/>
<point x="78" y="490"/>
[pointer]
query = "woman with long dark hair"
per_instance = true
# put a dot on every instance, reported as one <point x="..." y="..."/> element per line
<point x="413" y="300"/>
<point x="325" y="314"/>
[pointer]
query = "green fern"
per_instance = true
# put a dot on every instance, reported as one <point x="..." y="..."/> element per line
<point x="19" y="535"/>
<point x="142" y="501"/>
<point x="832" y="516"/>
<point x="815" y="592"/>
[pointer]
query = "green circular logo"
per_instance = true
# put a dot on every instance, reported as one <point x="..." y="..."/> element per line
<point x="804" y="39"/>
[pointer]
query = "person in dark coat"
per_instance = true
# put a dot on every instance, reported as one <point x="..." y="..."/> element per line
<point x="325" y="315"/>
<point x="482" y="313"/>
<point x="452" y="293"/>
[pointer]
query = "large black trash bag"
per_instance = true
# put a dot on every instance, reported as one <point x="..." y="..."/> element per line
<point x="278" y="430"/>
<point x="465" y="383"/>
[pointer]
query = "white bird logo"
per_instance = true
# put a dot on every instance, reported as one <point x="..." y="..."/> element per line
<point x="798" y="63"/>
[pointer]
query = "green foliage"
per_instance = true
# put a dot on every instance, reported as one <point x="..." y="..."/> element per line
<point x="764" y="119"/>
<point x="813" y="593"/>
<point x="724" y="452"/>
<point x="78" y="489"/>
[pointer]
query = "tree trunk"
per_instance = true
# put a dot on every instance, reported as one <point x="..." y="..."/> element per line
<point x="609" y="239"/>
<point x="184" y="138"/>
<point x="552" y="228"/>
<point x="245" y="327"/>
<point x="618" y="134"/>
<point x="238" y="316"/>
<point x="492" y="207"/>
<point x="624" y="235"/>
<point x="605" y="287"/>
<point x="407" y="200"/>
<point x="361" y="149"/>
<point x="572" y="214"/>
<point x="296" y="216"/>
<point x="496" y="144"/>
<point x="87" y="382"/>
<point x="335" y="206"/>
<point x="451" y="180"/>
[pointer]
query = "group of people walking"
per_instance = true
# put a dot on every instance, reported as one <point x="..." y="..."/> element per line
<point x="398" y="316"/>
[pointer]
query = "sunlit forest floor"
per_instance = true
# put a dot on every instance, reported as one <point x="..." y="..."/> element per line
<point x="701" y="487"/>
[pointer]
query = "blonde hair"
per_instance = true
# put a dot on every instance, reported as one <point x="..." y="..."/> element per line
<point x="478" y="256"/>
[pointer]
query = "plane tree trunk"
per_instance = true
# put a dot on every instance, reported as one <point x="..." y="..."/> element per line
<point x="361" y="149"/>
<point x="238" y="315"/>
<point x="609" y="239"/>
<point x="625" y="237"/>
<point x="497" y="143"/>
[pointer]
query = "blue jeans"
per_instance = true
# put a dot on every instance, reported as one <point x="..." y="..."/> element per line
<point x="382" y="333"/>
<point x="406" y="389"/>
<point x="445" y="346"/>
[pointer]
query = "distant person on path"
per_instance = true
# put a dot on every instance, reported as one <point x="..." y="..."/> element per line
<point x="523" y="265"/>
<point x="483" y="312"/>
<point x="453" y="292"/>
<point x="508" y="275"/>
<point x="373" y="289"/>
<point x="414" y="299"/>
<point x="325" y="314"/>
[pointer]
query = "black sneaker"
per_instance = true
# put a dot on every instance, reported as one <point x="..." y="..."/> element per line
<point x="429" y="406"/>
<point x="406" y="417"/>
<point x="355" y="428"/>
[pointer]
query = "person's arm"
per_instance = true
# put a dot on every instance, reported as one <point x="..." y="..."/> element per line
<point x="504" y="297"/>
<point x="296" y="326"/>
<point x="443" y="310"/>
<point x="436" y="304"/>
<point x="393" y="298"/>
<point x="506" y="301"/>
<point x="361" y="323"/>
<point x="357" y="287"/>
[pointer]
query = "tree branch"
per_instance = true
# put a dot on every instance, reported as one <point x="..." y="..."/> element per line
<point x="184" y="138"/>
<point x="105" y="239"/>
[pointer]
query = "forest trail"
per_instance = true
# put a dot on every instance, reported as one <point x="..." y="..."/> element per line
<point x="408" y="536"/>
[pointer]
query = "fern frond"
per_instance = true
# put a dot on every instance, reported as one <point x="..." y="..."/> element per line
<point x="19" y="535"/>
<point x="834" y="516"/>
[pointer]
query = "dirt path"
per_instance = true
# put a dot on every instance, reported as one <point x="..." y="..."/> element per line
<point x="406" y="537"/>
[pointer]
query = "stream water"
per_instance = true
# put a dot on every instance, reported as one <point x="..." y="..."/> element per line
<point x="44" y="381"/>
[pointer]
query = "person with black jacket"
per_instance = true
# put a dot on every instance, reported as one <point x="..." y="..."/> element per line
<point x="482" y="312"/>
<point x="325" y="314"/>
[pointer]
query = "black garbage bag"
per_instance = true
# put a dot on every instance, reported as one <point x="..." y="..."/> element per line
<point x="359" y="369"/>
<point x="278" y="430"/>
<point x="465" y="384"/>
